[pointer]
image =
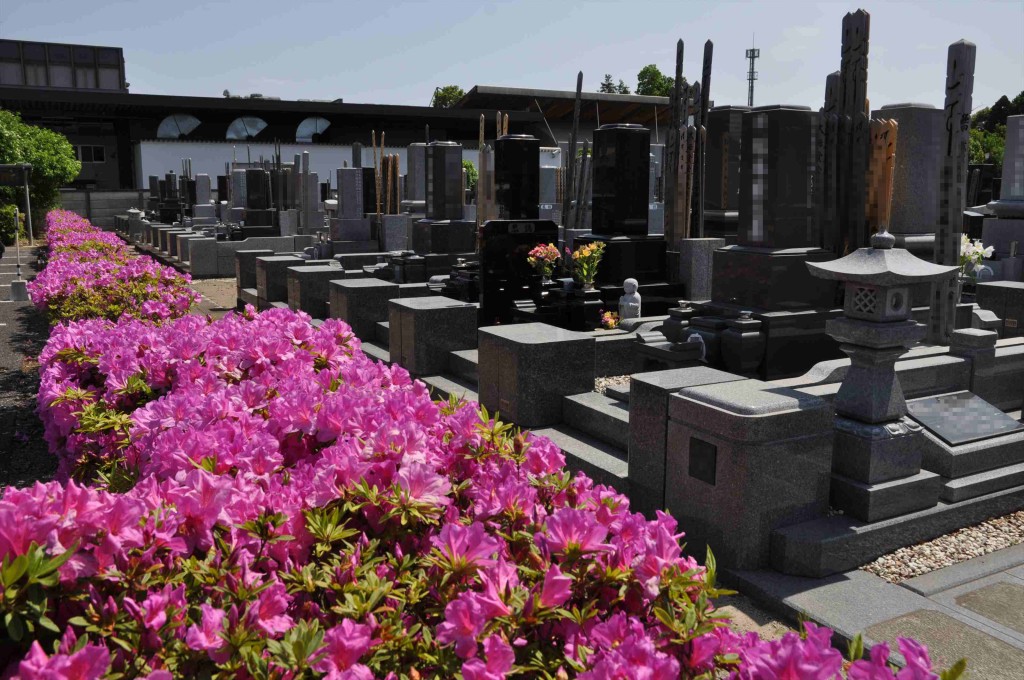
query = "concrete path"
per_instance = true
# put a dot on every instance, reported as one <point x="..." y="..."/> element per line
<point x="972" y="610"/>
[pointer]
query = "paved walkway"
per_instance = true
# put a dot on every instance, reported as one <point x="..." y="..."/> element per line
<point x="23" y="332"/>
<point x="972" y="610"/>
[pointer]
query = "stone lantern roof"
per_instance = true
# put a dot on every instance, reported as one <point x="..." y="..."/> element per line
<point x="880" y="265"/>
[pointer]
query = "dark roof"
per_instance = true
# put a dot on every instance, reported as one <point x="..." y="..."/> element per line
<point x="559" y="104"/>
<point x="19" y="98"/>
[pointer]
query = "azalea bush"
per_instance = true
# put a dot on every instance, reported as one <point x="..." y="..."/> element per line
<point x="94" y="274"/>
<point x="254" y="497"/>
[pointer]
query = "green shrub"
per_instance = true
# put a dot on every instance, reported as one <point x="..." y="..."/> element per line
<point x="7" y="228"/>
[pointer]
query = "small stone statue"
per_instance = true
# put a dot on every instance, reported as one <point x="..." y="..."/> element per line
<point x="629" y="304"/>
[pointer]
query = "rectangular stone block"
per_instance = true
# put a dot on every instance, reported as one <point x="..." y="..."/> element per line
<point x="362" y="303"/>
<point x="425" y="330"/>
<point x="892" y="498"/>
<point x="767" y="451"/>
<point x="446" y="236"/>
<point x="272" y="278"/>
<point x="526" y="369"/>
<point x="309" y="288"/>
<point x="648" y="429"/>
<point x="695" y="265"/>
<point x="350" y="229"/>
<point x="397" y="232"/>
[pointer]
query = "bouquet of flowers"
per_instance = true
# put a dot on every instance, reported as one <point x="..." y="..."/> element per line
<point x="971" y="255"/>
<point x="585" y="260"/>
<point x="543" y="258"/>
<point x="610" y="320"/>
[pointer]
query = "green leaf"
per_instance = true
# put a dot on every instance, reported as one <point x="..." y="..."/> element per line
<point x="954" y="671"/>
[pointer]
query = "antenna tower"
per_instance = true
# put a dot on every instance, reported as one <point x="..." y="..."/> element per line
<point x="752" y="54"/>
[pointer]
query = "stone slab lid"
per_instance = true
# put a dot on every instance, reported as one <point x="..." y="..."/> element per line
<point x="534" y="333"/>
<point x="751" y="411"/>
<point x="880" y="265"/>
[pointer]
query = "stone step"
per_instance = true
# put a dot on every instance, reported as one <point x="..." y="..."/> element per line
<point x="376" y="352"/>
<point x="382" y="332"/>
<point x="972" y="458"/>
<point x="598" y="415"/>
<point x="443" y="386"/>
<point x="956" y="490"/>
<point x="463" y="363"/>
<point x="618" y="392"/>
<point x="280" y="305"/>
<point x="602" y="462"/>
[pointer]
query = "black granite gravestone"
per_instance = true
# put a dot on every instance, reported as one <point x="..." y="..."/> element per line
<point x="517" y="177"/>
<point x="444" y="181"/>
<point x="256" y="189"/>
<point x="961" y="417"/>
<point x="505" y="274"/>
<point x="622" y="157"/>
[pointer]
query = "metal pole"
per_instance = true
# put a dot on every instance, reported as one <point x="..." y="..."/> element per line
<point x="17" y="241"/>
<point x="28" y="210"/>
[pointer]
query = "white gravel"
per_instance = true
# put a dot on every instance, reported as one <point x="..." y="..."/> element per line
<point x="602" y="384"/>
<point x="959" y="546"/>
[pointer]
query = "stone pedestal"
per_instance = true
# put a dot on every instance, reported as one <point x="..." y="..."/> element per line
<point x="743" y="458"/>
<point x="362" y="303"/>
<point x="649" y="395"/>
<point x="424" y="331"/>
<point x="771" y="279"/>
<point x="245" y="276"/>
<point x="272" y="278"/>
<point x="308" y="288"/>
<point x="443" y="236"/>
<point x="526" y="369"/>
<point x="696" y="256"/>
<point x="639" y="257"/>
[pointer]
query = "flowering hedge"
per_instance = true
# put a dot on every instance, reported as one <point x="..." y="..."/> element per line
<point x="254" y="497"/>
<point x="93" y="274"/>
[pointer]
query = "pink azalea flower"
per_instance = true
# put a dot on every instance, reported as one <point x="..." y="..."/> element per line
<point x="206" y="636"/>
<point x="345" y="644"/>
<point x="466" y="545"/>
<point x="89" y="663"/>
<point x="500" y="659"/>
<point x="557" y="588"/>
<point x="424" y="485"/>
<point x="570" y="530"/>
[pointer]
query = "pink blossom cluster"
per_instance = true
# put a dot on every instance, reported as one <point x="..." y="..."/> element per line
<point x="254" y="497"/>
<point x="91" y="273"/>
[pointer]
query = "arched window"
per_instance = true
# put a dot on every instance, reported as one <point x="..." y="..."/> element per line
<point x="246" y="127"/>
<point x="311" y="129"/>
<point x="176" y="126"/>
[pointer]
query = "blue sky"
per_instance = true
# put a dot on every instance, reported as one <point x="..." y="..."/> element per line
<point x="387" y="52"/>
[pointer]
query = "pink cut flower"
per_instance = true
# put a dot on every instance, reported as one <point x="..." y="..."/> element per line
<point x="557" y="588"/>
<point x="571" y="530"/>
<point x="422" y="484"/>
<point x="89" y="663"/>
<point x="466" y="545"/>
<point x="345" y="644"/>
<point x="206" y="636"/>
<point x="500" y="659"/>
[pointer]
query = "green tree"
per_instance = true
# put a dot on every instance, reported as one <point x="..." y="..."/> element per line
<point x="651" y="81"/>
<point x="52" y="159"/>
<point x="987" y="147"/>
<point x="447" y="96"/>
<point x="607" y="85"/>
<point x="471" y="174"/>
<point x="622" y="88"/>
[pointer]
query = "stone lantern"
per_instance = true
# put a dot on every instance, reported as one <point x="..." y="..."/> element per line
<point x="876" y="461"/>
